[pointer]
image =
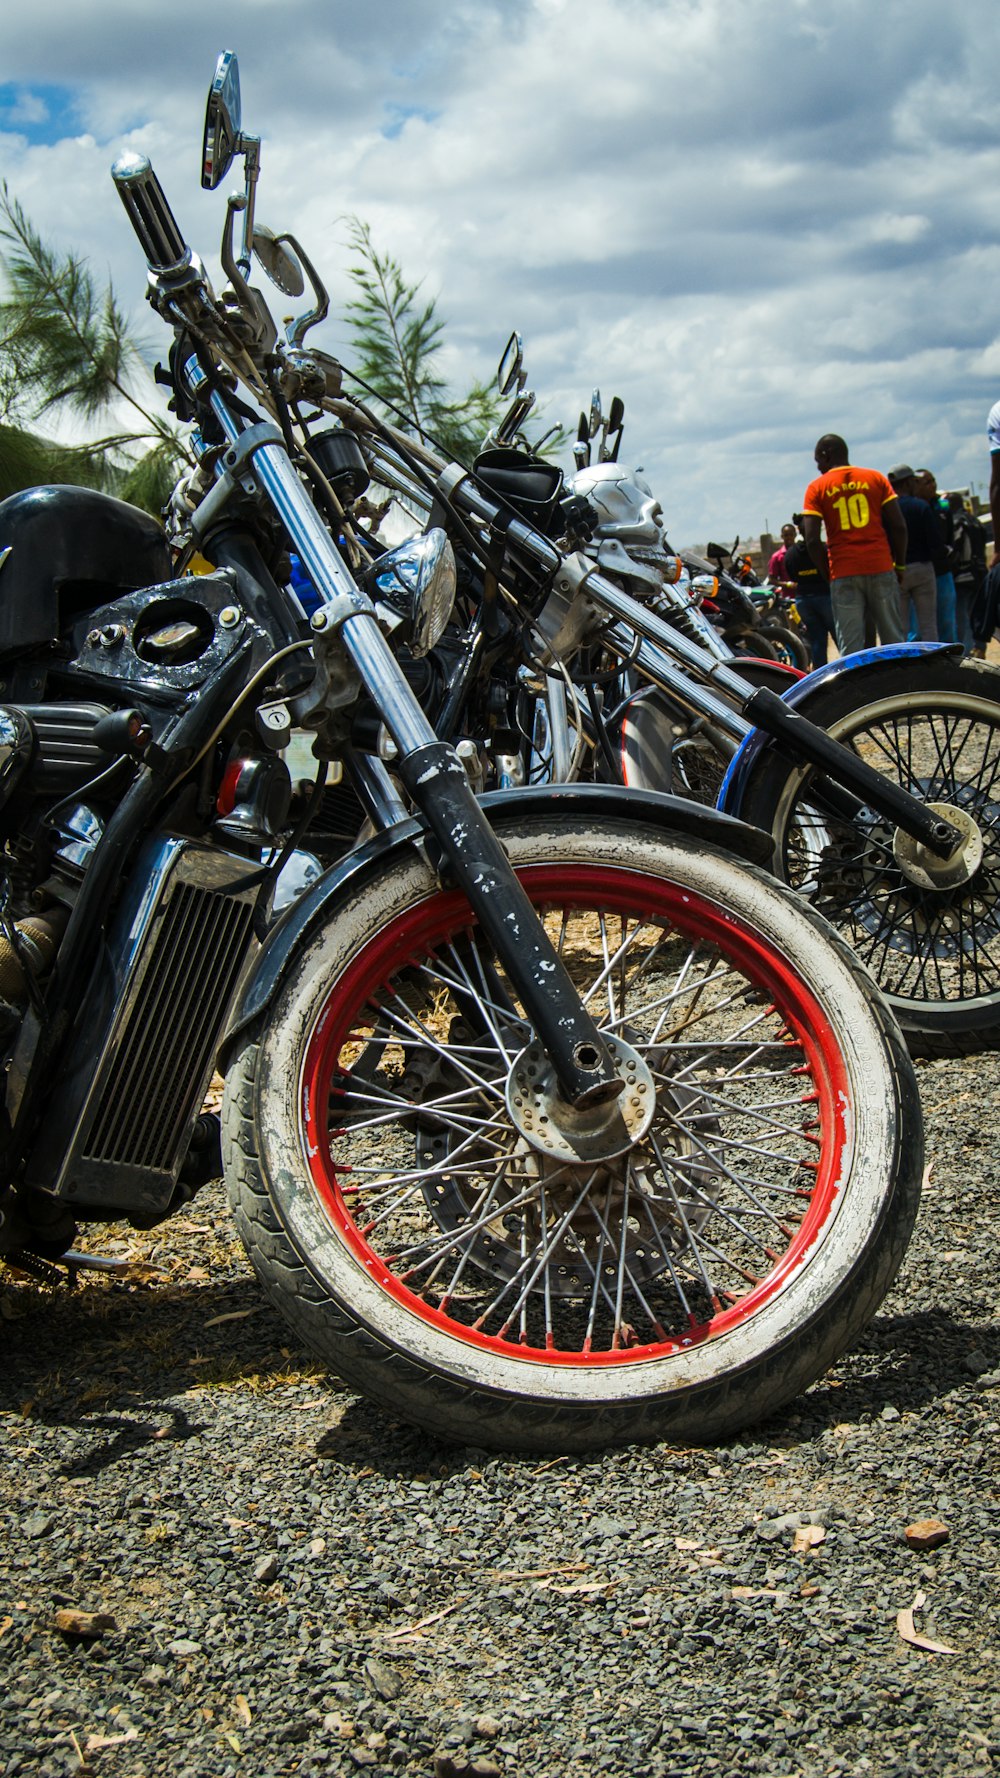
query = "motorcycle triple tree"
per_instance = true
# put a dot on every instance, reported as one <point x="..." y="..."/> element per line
<point x="550" y="1120"/>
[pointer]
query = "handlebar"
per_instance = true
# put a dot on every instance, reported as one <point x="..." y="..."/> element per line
<point x="167" y="253"/>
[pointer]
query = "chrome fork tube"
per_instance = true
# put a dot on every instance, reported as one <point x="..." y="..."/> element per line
<point x="661" y="671"/>
<point x="435" y="778"/>
<point x="562" y="752"/>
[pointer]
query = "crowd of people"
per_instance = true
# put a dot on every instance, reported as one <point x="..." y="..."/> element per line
<point x="875" y="558"/>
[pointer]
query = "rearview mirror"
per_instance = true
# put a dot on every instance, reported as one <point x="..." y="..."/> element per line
<point x="223" y="121"/>
<point x="595" y="413"/>
<point x="510" y="370"/>
<point x="278" y="261"/>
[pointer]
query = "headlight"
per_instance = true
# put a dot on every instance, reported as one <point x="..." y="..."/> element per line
<point x="417" y="581"/>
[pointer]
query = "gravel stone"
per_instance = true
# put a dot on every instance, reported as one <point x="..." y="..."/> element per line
<point x="296" y="1573"/>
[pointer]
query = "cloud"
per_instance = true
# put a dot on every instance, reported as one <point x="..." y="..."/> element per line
<point x="754" y="223"/>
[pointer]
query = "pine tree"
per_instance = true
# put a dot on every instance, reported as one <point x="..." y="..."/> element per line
<point x="397" y="336"/>
<point x="66" y="345"/>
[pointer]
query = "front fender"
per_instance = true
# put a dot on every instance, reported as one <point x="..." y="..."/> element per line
<point x="734" y="784"/>
<point x="593" y="802"/>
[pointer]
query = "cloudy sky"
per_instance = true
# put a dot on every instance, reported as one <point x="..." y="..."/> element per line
<point x="755" y="220"/>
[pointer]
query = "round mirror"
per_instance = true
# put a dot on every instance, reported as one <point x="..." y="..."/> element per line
<point x="617" y="414"/>
<point x="509" y="369"/>
<point x="223" y="121"/>
<point x="278" y="261"/>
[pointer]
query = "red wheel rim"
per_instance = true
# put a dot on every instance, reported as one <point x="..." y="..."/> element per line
<point x="816" y="1067"/>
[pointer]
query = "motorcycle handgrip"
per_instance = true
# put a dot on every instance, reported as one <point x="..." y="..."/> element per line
<point x="150" y="215"/>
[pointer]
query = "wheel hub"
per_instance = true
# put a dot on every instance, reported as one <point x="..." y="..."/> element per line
<point x="924" y="868"/>
<point x="587" y="1135"/>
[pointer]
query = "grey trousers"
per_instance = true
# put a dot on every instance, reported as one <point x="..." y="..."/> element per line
<point x="920" y="585"/>
<point x="864" y="604"/>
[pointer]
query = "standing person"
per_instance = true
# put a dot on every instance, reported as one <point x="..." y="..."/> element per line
<point x="969" y="549"/>
<point x="947" y="596"/>
<point x="776" y="566"/>
<point x="865" y="552"/>
<point x="812" y="598"/>
<point x="993" y="434"/>
<point x="924" y="546"/>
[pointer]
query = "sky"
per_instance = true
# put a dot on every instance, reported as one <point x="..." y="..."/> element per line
<point x="756" y="221"/>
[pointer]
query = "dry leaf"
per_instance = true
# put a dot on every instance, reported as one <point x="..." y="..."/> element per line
<point x="423" y="1623"/>
<point x="5" y="1623"/>
<point x="242" y="1709"/>
<point x="234" y="1740"/>
<point x="94" y="1743"/>
<point x="909" y="1632"/>
<point x="806" y="1538"/>
<point x="233" y="1315"/>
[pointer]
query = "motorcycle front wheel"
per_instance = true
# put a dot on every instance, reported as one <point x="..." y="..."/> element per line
<point x="788" y="646"/>
<point x="430" y="1218"/>
<point x="930" y="935"/>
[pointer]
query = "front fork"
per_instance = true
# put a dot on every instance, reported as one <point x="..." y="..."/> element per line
<point x="346" y="625"/>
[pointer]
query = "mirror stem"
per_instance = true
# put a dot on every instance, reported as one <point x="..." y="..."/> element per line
<point x="250" y="149"/>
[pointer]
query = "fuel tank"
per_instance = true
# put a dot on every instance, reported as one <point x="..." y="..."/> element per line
<point x="66" y="550"/>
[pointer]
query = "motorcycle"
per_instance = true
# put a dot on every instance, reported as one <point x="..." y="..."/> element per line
<point x="550" y="1121"/>
<point x="875" y="775"/>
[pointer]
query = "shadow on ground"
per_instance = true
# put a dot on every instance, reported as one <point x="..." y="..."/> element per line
<point x="112" y="1359"/>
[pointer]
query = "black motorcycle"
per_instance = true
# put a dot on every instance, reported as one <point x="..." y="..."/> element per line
<point x="550" y="1121"/>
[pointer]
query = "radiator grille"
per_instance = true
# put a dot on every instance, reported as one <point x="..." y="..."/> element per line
<point x="194" y="962"/>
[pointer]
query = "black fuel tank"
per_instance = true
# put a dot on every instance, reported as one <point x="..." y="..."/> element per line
<point x="66" y="550"/>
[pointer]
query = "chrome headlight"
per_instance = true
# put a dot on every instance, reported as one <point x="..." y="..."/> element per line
<point x="417" y="582"/>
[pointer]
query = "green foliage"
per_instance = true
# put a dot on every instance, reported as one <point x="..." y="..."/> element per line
<point x="27" y="460"/>
<point x="66" y="345"/>
<point x="397" y="337"/>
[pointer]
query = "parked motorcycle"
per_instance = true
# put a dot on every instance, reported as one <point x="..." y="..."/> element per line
<point x="874" y="775"/>
<point x="550" y="1122"/>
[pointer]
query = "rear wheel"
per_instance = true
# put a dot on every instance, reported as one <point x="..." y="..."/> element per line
<point x="461" y="1246"/>
<point x="930" y="936"/>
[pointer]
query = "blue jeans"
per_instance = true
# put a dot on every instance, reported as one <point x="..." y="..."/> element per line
<point x="947" y="615"/>
<point x="863" y="603"/>
<point x="816" y="612"/>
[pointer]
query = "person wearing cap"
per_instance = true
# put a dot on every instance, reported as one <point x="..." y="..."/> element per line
<point x="865" y="554"/>
<point x="925" y="543"/>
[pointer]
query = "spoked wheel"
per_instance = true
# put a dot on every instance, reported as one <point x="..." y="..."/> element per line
<point x="788" y="646"/>
<point x="462" y="1245"/>
<point x="928" y="931"/>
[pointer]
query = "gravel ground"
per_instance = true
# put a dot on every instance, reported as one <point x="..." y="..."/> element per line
<point x="299" y="1585"/>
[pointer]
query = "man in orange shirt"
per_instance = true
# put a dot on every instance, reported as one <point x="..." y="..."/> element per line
<point x="865" y="553"/>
